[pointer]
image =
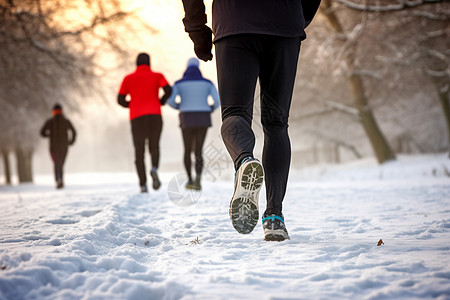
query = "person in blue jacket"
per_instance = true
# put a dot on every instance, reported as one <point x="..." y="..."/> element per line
<point x="195" y="115"/>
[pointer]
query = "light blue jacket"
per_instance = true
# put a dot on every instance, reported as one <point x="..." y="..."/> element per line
<point x="194" y="90"/>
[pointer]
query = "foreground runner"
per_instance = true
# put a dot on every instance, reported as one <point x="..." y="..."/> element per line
<point x="254" y="39"/>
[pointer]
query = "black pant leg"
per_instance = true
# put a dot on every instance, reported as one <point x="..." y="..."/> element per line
<point x="188" y="144"/>
<point x="237" y="73"/>
<point x="154" y="129"/>
<point x="200" y="135"/>
<point x="138" y="131"/>
<point x="277" y="77"/>
<point x="59" y="157"/>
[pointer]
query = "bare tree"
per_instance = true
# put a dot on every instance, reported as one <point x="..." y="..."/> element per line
<point x="48" y="53"/>
<point x="420" y="38"/>
<point x="435" y="54"/>
<point x="385" y="51"/>
<point x="379" y="143"/>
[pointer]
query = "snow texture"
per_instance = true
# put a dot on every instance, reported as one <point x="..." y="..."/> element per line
<point x="100" y="239"/>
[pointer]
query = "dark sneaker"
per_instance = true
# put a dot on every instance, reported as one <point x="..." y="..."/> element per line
<point x="194" y="185"/>
<point x="249" y="178"/>
<point x="156" y="182"/>
<point x="144" y="189"/>
<point x="197" y="184"/>
<point x="190" y="184"/>
<point x="274" y="228"/>
<point x="59" y="184"/>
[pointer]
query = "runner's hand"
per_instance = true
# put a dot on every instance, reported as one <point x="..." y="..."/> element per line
<point x="202" y="43"/>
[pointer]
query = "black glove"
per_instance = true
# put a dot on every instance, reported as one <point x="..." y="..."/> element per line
<point x="167" y="92"/>
<point x="121" y="100"/>
<point x="202" y="42"/>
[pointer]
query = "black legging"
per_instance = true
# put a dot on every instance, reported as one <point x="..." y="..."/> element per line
<point x="193" y="139"/>
<point x="241" y="60"/>
<point x="144" y="128"/>
<point x="59" y="157"/>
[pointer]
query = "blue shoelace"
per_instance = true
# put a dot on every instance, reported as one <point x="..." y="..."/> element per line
<point x="273" y="218"/>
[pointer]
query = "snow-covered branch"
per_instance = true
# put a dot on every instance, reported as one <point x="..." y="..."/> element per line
<point x="402" y="4"/>
<point x="343" y="108"/>
<point x="337" y="142"/>
<point x="330" y="106"/>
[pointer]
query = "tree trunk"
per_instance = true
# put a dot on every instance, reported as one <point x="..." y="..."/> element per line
<point x="24" y="170"/>
<point x="7" y="166"/>
<point x="443" y="97"/>
<point x="337" y="157"/>
<point x="442" y="85"/>
<point x="379" y="143"/>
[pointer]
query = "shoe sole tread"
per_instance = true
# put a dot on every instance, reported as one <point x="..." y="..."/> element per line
<point x="275" y="235"/>
<point x="244" y="212"/>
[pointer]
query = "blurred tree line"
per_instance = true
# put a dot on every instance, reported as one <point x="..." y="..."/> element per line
<point x="374" y="79"/>
<point x="49" y="52"/>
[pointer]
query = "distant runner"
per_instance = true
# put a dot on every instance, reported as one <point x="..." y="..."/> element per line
<point x="62" y="134"/>
<point x="195" y="116"/>
<point x="145" y="114"/>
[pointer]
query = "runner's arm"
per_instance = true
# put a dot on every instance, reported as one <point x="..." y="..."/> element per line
<point x="121" y="100"/>
<point x="167" y="91"/>
<point x="195" y="24"/>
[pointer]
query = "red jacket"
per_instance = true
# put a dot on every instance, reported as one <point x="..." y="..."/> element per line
<point x="143" y="86"/>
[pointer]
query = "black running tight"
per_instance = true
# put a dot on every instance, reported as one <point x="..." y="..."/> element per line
<point x="145" y="128"/>
<point x="193" y="139"/>
<point x="241" y="61"/>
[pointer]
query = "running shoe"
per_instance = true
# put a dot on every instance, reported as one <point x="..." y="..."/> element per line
<point x="244" y="211"/>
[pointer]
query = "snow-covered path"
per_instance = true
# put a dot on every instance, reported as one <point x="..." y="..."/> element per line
<point x="105" y="241"/>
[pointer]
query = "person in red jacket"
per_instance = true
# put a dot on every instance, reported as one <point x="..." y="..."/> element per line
<point x="145" y="114"/>
<point x="57" y="129"/>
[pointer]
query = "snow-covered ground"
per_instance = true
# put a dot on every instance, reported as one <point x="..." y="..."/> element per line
<point x="100" y="239"/>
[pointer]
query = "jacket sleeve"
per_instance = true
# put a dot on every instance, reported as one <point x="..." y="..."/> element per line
<point x="171" y="100"/>
<point x="45" y="130"/>
<point x="123" y="92"/>
<point x="310" y="8"/>
<point x="195" y="16"/>
<point x="121" y="99"/>
<point x="215" y="95"/>
<point x="167" y="92"/>
<point x="73" y="132"/>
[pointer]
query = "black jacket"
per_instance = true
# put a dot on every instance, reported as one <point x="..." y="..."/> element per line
<point x="286" y="18"/>
<point x="57" y="129"/>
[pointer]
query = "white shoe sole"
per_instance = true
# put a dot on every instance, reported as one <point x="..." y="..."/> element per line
<point x="275" y="235"/>
<point x="244" y="205"/>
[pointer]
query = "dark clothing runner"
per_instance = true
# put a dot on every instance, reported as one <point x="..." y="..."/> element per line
<point x="57" y="129"/>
